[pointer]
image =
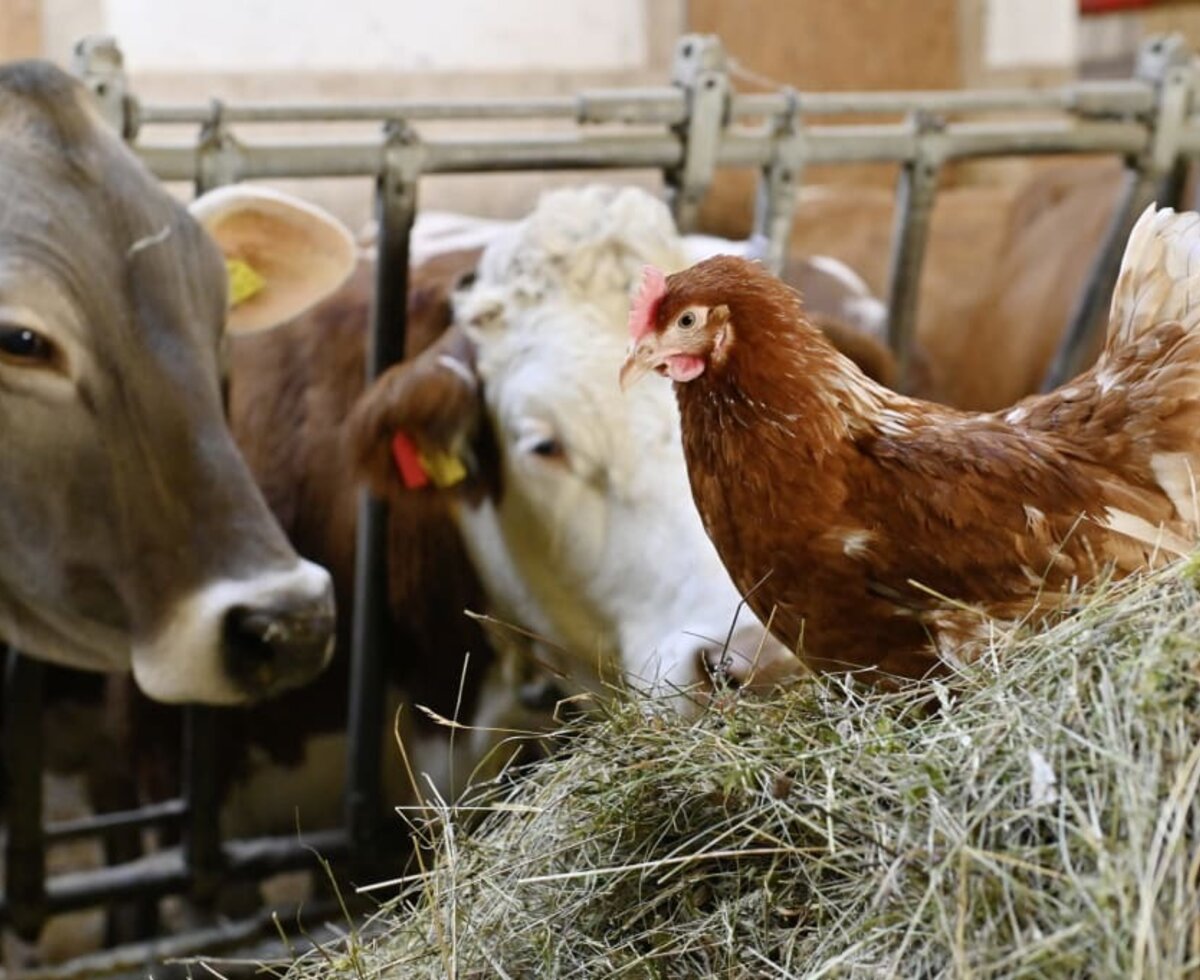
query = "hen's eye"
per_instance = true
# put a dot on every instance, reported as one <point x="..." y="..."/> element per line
<point x="687" y="320"/>
<point x="23" y="344"/>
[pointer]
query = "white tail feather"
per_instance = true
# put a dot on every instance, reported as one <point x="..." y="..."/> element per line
<point x="1159" y="280"/>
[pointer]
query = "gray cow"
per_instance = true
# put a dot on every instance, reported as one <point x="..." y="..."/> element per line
<point x="130" y="529"/>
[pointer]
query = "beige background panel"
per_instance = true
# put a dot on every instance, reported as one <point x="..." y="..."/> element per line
<point x="20" y="29"/>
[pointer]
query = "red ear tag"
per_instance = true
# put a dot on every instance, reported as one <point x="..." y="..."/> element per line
<point x="408" y="462"/>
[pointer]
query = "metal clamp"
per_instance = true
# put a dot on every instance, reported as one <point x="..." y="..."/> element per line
<point x="219" y="156"/>
<point x="98" y="62"/>
<point x="779" y="182"/>
<point x="700" y="70"/>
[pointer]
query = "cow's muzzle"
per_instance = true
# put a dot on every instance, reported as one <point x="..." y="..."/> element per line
<point x="237" y="640"/>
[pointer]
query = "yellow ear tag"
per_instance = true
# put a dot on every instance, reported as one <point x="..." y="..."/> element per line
<point x="244" y="282"/>
<point x="444" y="469"/>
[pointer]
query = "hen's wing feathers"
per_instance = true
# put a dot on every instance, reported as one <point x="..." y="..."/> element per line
<point x="979" y="511"/>
<point x="1159" y="281"/>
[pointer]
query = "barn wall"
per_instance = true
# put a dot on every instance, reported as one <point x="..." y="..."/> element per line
<point x="289" y="50"/>
<point x="20" y="29"/>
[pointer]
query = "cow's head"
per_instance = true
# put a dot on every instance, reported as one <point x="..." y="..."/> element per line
<point x="573" y="501"/>
<point x="129" y="526"/>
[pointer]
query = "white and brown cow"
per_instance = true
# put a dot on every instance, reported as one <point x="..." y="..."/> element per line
<point x="572" y="502"/>
<point x="130" y="530"/>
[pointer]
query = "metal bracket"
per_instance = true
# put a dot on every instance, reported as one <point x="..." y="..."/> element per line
<point x="779" y="182"/>
<point x="99" y="64"/>
<point x="700" y="70"/>
<point x="219" y="155"/>
<point x="403" y="155"/>
<point x="916" y="190"/>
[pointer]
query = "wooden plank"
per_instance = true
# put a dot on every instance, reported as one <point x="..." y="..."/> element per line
<point x="20" y="29"/>
<point x="848" y="45"/>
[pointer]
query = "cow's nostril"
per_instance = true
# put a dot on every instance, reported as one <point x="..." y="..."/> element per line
<point x="268" y="650"/>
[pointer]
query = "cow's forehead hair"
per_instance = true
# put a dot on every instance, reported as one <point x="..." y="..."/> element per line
<point x="558" y="361"/>
<point x="80" y="205"/>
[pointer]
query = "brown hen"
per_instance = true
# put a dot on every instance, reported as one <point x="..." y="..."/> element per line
<point x="881" y="532"/>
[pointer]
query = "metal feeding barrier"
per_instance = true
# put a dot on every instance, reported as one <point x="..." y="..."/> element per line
<point x="686" y="130"/>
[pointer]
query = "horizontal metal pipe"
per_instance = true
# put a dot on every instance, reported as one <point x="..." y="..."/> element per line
<point x="299" y="923"/>
<point x="1110" y="97"/>
<point x="667" y="105"/>
<point x="151" y="815"/>
<point x="821" y="144"/>
<point x="164" y="872"/>
<point x="660" y="105"/>
<point x="366" y="158"/>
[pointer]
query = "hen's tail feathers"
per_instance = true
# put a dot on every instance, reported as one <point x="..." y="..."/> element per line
<point x="1159" y="280"/>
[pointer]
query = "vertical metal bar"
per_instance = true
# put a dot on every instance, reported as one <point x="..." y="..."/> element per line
<point x="1158" y="171"/>
<point x="916" y="190"/>
<point x="25" y="853"/>
<point x="201" y="844"/>
<point x="372" y="637"/>
<point x="775" y="200"/>
<point x="201" y="822"/>
<point x="1089" y="316"/>
<point x="701" y="71"/>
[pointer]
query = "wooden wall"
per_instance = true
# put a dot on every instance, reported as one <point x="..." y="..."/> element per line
<point x="20" y="29"/>
<point x="826" y="45"/>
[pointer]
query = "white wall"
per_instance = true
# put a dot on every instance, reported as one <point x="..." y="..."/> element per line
<point x="361" y="35"/>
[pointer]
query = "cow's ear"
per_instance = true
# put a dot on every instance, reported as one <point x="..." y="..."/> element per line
<point x="420" y="426"/>
<point x="283" y="255"/>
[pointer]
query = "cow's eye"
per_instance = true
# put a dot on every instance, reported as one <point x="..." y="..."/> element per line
<point x="24" y="346"/>
<point x="687" y="320"/>
<point x="547" y="448"/>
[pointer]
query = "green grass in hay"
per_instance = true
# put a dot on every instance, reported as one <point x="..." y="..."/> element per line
<point x="1034" y="816"/>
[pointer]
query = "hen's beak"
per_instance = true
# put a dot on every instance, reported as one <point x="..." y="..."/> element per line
<point x="638" y="362"/>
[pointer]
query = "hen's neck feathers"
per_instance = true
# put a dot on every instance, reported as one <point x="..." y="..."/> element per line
<point x="780" y="370"/>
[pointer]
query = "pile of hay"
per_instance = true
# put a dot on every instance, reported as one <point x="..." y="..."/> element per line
<point x="1035" y="816"/>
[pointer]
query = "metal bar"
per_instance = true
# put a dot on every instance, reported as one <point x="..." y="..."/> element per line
<point x="300" y="923"/>
<point x="201" y="847"/>
<point x="150" y="815"/>
<point x="775" y="196"/>
<point x="1166" y="64"/>
<point x="1116" y="98"/>
<point x="668" y="106"/>
<point x="166" y="872"/>
<point x="916" y="189"/>
<point x="201" y="827"/>
<point x="374" y="634"/>
<point x="25" y="850"/>
<point x="701" y="72"/>
<point x="821" y="144"/>
<point x="646" y="106"/>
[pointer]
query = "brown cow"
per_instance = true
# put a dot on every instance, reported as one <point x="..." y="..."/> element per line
<point x="1004" y="267"/>
<point x="130" y="531"/>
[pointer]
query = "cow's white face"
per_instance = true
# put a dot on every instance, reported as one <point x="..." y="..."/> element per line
<point x="575" y="505"/>
<point x="594" y="542"/>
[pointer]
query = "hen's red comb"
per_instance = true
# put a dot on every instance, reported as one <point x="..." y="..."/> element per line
<point x="645" y="303"/>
